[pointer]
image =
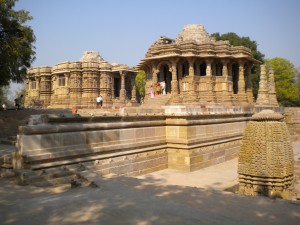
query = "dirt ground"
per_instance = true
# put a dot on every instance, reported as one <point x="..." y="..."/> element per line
<point x="144" y="201"/>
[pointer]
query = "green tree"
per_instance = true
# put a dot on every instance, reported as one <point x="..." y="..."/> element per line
<point x="140" y="81"/>
<point x="4" y="95"/>
<point x="236" y="40"/>
<point x="16" y="43"/>
<point x="286" y="76"/>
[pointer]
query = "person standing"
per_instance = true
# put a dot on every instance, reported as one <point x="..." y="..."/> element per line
<point x="151" y="92"/>
<point x="99" y="100"/>
<point x="18" y="102"/>
<point x="163" y="87"/>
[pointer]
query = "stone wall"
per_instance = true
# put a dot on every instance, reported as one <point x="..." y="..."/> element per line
<point x="130" y="145"/>
<point x="292" y="119"/>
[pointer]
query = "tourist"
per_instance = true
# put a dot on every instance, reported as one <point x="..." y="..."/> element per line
<point x="157" y="88"/>
<point x="99" y="101"/>
<point x="18" y="102"/>
<point x="4" y="106"/>
<point x="151" y="92"/>
<point x="163" y="87"/>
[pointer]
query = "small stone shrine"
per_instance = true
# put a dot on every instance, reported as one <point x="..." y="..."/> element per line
<point x="266" y="157"/>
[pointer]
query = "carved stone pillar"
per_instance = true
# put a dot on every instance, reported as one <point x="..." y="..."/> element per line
<point x="174" y="82"/>
<point x="180" y="76"/>
<point x="105" y="88"/>
<point x="241" y="82"/>
<point x="249" y="84"/>
<point x="225" y="68"/>
<point x="191" y="67"/>
<point x="112" y="87"/>
<point x="208" y="68"/>
<point x="122" y="90"/>
<point x="225" y="96"/>
<point x="155" y="71"/>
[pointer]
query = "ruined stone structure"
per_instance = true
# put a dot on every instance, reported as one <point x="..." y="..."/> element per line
<point x="198" y="123"/>
<point x="196" y="68"/>
<point x="266" y="93"/>
<point x="199" y="69"/>
<point x="69" y="84"/>
<point x="266" y="157"/>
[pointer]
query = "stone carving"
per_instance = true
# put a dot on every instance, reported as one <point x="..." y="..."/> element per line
<point x="266" y="157"/>
<point x="194" y="32"/>
<point x="82" y="79"/>
<point x="263" y="95"/>
<point x="195" y="53"/>
<point x="272" y="92"/>
<point x="91" y="56"/>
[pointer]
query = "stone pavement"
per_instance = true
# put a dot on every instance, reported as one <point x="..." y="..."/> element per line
<point x="218" y="177"/>
<point x="148" y="201"/>
<point x="6" y="149"/>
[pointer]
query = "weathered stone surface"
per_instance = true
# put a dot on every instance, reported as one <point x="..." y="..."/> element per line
<point x="266" y="157"/>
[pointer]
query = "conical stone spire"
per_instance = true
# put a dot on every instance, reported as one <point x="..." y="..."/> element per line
<point x="272" y="91"/>
<point x="263" y="91"/>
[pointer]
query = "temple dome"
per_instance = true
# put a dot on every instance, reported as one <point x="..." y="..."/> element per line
<point x="193" y="32"/>
<point x="91" y="56"/>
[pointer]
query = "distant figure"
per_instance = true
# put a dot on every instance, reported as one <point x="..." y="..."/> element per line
<point x="99" y="100"/>
<point x="163" y="87"/>
<point x="4" y="106"/>
<point x="157" y="88"/>
<point x="18" y="102"/>
<point x="151" y="92"/>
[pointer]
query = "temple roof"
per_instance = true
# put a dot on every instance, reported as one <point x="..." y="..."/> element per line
<point x="194" y="32"/>
<point x="91" y="56"/>
<point x="194" y="41"/>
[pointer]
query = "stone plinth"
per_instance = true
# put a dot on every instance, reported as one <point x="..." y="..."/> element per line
<point x="266" y="157"/>
<point x="185" y="138"/>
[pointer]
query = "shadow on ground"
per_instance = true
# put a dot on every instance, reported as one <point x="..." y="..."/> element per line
<point x="127" y="200"/>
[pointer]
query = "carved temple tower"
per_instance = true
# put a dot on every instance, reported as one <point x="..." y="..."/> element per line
<point x="198" y="69"/>
<point x="70" y="84"/>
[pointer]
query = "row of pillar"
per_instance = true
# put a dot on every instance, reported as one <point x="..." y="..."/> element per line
<point x="84" y="84"/>
<point x="226" y="71"/>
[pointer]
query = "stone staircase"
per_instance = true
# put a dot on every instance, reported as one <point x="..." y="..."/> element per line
<point x="157" y="101"/>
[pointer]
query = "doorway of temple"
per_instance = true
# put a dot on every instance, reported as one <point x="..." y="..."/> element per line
<point x="166" y="75"/>
<point x="117" y="87"/>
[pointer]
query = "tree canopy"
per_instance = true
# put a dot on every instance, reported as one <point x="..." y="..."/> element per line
<point x="16" y="43"/>
<point x="236" y="40"/>
<point x="286" y="81"/>
<point x="140" y="81"/>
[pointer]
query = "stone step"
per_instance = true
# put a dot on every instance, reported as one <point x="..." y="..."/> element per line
<point x="43" y="178"/>
<point x="94" y="178"/>
<point x="8" y="142"/>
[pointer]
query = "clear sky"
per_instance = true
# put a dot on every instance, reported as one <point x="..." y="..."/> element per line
<point x="123" y="30"/>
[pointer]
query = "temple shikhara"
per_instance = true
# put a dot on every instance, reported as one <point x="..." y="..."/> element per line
<point x="196" y="69"/>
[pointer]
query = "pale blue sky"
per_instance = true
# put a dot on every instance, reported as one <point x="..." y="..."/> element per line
<point x="123" y="30"/>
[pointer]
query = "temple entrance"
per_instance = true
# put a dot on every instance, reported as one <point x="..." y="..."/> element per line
<point x="235" y="77"/>
<point x="117" y="87"/>
<point x="165" y="75"/>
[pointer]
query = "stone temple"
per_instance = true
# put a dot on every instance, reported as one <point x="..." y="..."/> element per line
<point x="196" y="68"/>
<point x="199" y="122"/>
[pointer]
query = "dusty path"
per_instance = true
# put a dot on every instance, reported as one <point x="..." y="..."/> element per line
<point x="136" y="201"/>
<point x="164" y="197"/>
<point x="129" y="201"/>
